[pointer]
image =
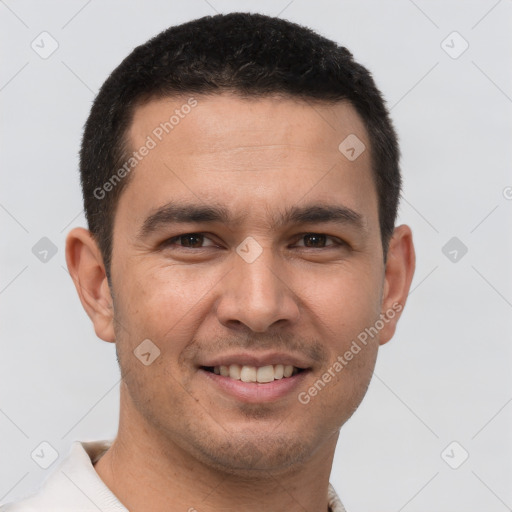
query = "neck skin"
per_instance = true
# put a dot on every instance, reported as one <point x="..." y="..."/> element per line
<point x="146" y="473"/>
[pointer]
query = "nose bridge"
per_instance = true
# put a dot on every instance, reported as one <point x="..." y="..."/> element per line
<point x="254" y="293"/>
<point x="258" y="279"/>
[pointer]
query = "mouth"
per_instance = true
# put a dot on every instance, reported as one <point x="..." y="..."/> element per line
<point x="255" y="374"/>
<point x="254" y="380"/>
<point x="256" y="377"/>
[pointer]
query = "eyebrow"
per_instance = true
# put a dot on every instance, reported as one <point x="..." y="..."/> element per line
<point x="177" y="213"/>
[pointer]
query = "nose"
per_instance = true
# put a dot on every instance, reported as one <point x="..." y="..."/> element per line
<point x="257" y="294"/>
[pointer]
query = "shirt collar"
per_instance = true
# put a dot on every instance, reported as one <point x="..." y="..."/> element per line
<point x="96" y="449"/>
<point x="75" y="484"/>
<point x="334" y="502"/>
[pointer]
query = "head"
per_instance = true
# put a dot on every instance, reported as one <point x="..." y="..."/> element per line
<point x="241" y="182"/>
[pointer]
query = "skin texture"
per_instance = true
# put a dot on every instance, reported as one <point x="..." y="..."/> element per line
<point x="182" y="440"/>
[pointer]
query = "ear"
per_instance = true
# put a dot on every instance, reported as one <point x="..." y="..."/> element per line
<point x="85" y="264"/>
<point x="400" y="265"/>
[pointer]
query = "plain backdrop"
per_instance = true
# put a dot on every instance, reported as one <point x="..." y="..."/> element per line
<point x="443" y="379"/>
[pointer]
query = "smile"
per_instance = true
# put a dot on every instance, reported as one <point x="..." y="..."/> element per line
<point x="259" y="374"/>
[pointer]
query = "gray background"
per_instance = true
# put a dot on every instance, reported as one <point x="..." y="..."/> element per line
<point x="444" y="377"/>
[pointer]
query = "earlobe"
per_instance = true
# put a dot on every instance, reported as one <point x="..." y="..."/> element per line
<point x="86" y="267"/>
<point x="400" y="265"/>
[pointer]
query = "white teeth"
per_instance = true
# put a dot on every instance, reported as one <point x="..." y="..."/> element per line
<point x="262" y="374"/>
<point x="234" y="371"/>
<point x="248" y="374"/>
<point x="265" y="374"/>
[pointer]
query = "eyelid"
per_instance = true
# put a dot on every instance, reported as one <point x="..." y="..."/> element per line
<point x="174" y="239"/>
<point x="336" y="241"/>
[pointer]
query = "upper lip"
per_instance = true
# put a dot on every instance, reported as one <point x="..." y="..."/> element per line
<point x="255" y="359"/>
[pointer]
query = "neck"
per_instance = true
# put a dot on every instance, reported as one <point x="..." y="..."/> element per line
<point x="147" y="471"/>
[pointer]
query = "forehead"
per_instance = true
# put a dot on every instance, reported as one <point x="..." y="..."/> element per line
<point x="228" y="150"/>
<point x="221" y="122"/>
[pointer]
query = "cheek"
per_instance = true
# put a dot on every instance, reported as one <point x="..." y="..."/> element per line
<point x="162" y="302"/>
<point x="337" y="391"/>
<point x="344" y="305"/>
<point x="345" y="301"/>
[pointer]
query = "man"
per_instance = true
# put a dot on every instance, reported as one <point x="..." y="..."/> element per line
<point x="241" y="182"/>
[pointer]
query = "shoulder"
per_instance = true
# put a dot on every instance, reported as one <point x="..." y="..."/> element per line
<point x="74" y="485"/>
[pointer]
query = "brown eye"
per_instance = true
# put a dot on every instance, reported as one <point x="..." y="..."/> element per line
<point x="319" y="241"/>
<point x="314" y="240"/>
<point x="193" y="240"/>
<point x="189" y="241"/>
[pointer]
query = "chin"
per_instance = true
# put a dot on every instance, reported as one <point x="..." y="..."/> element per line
<point x="250" y="453"/>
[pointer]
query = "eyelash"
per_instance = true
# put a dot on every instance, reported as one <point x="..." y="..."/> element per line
<point x="336" y="241"/>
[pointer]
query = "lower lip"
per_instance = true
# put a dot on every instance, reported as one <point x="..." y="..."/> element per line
<point x="255" y="392"/>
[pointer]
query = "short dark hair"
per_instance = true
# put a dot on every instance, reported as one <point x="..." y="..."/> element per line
<point x="248" y="54"/>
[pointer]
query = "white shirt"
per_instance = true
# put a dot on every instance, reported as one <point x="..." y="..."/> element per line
<point x="75" y="486"/>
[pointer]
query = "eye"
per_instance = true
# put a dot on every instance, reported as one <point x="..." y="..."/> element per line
<point x="318" y="241"/>
<point x="190" y="241"/>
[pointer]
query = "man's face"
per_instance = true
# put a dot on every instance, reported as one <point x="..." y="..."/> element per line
<point x="297" y="292"/>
